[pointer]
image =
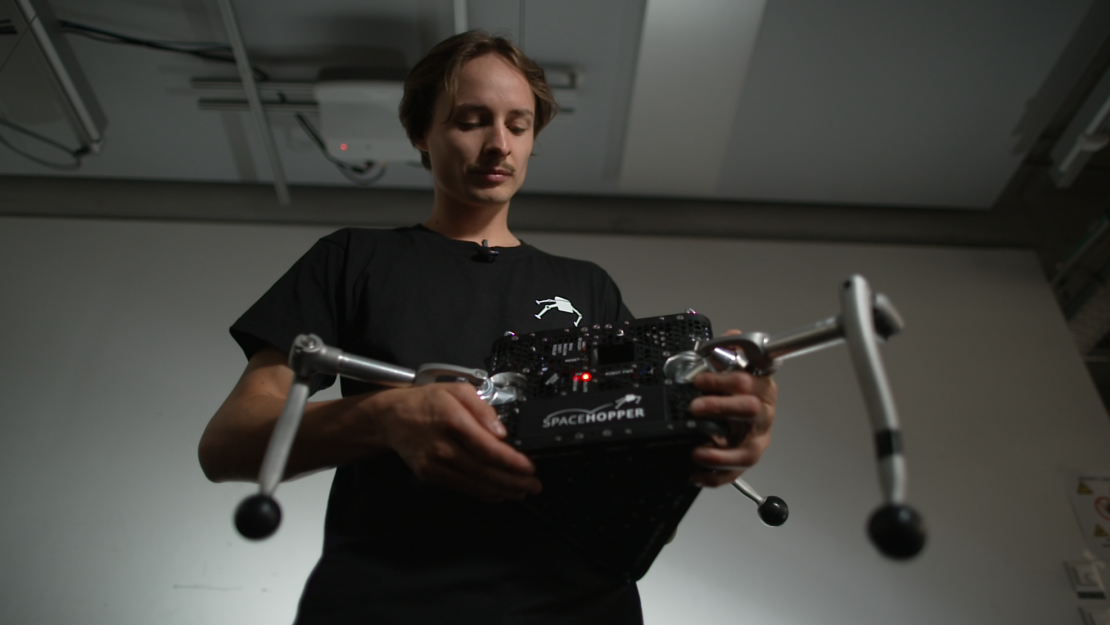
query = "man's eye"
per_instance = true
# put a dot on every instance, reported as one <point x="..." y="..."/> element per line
<point x="467" y="125"/>
<point x="517" y="130"/>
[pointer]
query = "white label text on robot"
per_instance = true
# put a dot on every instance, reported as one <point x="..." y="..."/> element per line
<point x="620" y="410"/>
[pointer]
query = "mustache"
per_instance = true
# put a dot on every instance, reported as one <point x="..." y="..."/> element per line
<point x="488" y="167"/>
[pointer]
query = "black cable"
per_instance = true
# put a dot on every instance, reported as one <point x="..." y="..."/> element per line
<point x="361" y="175"/>
<point x="75" y="154"/>
<point x="357" y="174"/>
<point x="207" y="50"/>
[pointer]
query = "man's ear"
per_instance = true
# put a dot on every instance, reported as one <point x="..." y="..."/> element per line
<point x="421" y="144"/>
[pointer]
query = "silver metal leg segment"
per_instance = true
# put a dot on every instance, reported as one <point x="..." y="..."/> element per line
<point x="259" y="515"/>
<point x="746" y="490"/>
<point x="859" y="329"/>
<point x="865" y="319"/>
<point x="281" y="441"/>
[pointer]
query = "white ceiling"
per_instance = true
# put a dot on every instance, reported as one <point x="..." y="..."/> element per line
<point x="849" y="102"/>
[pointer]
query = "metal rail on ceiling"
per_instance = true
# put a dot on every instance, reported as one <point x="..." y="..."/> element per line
<point x="246" y="75"/>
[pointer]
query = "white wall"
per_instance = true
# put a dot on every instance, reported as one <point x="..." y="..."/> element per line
<point x="117" y="353"/>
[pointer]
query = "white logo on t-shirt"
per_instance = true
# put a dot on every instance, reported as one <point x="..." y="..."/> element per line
<point x="561" y="304"/>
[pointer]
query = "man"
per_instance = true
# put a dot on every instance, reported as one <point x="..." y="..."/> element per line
<point x="422" y="524"/>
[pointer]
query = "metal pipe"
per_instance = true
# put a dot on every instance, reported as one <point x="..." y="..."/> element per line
<point x="859" y="329"/>
<point x="309" y="355"/>
<point x="747" y="490"/>
<point x="286" y="87"/>
<point x="806" y="339"/>
<point x="1093" y="237"/>
<point x="240" y="106"/>
<point x="83" y="107"/>
<point x="281" y="441"/>
<point x="246" y="75"/>
<point x="369" y="370"/>
<point x="461" y="21"/>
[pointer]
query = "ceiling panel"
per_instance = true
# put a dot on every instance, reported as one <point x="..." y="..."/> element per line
<point x="852" y="102"/>
<point x="891" y="103"/>
<point x="708" y="93"/>
<point x="580" y="152"/>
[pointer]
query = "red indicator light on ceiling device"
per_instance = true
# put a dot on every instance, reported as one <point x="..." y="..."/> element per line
<point x="343" y="146"/>
<point x="586" y="377"/>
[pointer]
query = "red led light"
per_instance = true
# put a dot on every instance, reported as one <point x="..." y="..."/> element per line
<point x="586" y="377"/>
<point x="343" y="146"/>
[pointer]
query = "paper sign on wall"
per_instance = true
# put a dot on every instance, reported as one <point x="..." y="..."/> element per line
<point x="1090" y="498"/>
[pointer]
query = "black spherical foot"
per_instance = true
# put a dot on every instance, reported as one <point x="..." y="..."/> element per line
<point x="898" y="531"/>
<point x="258" y="517"/>
<point x="773" y="511"/>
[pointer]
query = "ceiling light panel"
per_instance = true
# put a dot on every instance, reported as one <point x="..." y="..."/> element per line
<point x="694" y="56"/>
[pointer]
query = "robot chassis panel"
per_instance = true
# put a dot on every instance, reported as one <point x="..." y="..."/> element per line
<point x="603" y="412"/>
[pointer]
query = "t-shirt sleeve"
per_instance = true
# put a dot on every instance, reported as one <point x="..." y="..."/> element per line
<point x="309" y="298"/>
<point x="615" y="309"/>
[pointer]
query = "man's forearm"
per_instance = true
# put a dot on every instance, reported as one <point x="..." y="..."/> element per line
<point x="332" y="433"/>
<point x="443" y="432"/>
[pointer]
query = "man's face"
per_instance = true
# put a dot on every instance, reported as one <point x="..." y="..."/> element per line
<point x="480" y="153"/>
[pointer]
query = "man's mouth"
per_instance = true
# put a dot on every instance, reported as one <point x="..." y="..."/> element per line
<point x="492" y="174"/>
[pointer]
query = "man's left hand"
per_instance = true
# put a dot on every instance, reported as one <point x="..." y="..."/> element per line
<point x="735" y="394"/>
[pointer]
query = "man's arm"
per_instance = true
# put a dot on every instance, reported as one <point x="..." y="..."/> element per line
<point x="443" y="432"/>
<point x="734" y="394"/>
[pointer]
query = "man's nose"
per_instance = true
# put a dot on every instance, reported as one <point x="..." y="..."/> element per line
<point x="497" y="140"/>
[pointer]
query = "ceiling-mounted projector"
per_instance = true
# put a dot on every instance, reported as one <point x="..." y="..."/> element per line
<point x="358" y="117"/>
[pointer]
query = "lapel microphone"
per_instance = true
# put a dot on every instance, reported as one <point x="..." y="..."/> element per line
<point x="486" y="254"/>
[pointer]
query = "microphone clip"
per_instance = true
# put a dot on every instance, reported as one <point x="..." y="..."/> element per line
<point x="486" y="254"/>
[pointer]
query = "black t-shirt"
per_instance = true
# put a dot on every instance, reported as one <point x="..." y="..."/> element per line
<point x="397" y="550"/>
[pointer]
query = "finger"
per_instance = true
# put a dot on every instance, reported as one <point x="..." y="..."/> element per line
<point x="456" y="463"/>
<point x="483" y="412"/>
<point x="738" y="382"/>
<point x="509" y="484"/>
<point x="732" y="458"/>
<point x="453" y="455"/>
<point x="477" y="439"/>
<point x="490" y="450"/>
<point x="727" y="382"/>
<point x="714" y="479"/>
<point x="442" y="460"/>
<point x="718" y="406"/>
<point x="470" y="475"/>
<point x="471" y="482"/>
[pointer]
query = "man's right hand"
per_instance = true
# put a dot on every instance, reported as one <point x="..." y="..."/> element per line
<point x="443" y="432"/>
<point x="451" y="438"/>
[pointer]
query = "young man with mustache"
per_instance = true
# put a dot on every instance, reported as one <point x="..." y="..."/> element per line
<point x="422" y="523"/>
